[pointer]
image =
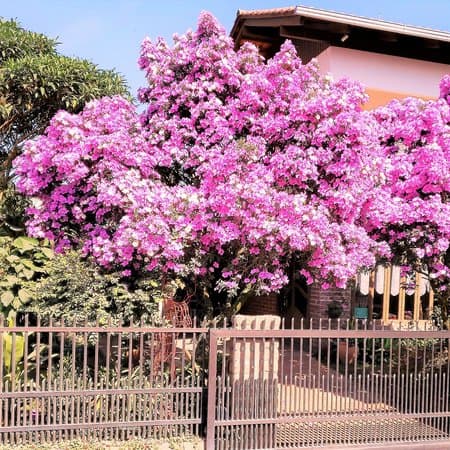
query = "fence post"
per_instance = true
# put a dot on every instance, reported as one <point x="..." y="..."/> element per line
<point x="212" y="387"/>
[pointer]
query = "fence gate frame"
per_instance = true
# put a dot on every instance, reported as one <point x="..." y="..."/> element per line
<point x="434" y="415"/>
<point x="212" y="391"/>
<point x="264" y="388"/>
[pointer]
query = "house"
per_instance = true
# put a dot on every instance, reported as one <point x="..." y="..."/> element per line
<point x="392" y="61"/>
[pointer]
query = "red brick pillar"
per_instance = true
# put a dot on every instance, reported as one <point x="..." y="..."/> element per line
<point x="261" y="305"/>
<point x="319" y="299"/>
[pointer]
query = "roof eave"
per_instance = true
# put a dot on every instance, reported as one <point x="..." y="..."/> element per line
<point x="374" y="24"/>
<point x="347" y="19"/>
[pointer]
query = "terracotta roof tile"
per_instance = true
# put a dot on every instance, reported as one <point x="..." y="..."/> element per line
<point x="267" y="12"/>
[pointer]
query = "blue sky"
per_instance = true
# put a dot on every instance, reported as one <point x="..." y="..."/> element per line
<point x="109" y="32"/>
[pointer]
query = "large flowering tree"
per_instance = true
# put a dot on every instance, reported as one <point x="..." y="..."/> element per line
<point x="236" y="169"/>
<point x="412" y="211"/>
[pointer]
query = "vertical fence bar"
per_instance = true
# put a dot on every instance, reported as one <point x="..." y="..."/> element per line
<point x="50" y="352"/>
<point x="38" y="353"/>
<point x="212" y="387"/>
<point x="61" y="383"/>
<point x="13" y="358"/>
<point x="2" y="401"/>
<point x="73" y="357"/>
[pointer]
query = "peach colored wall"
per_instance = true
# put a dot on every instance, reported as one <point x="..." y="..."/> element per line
<point x="378" y="97"/>
<point x="391" y="74"/>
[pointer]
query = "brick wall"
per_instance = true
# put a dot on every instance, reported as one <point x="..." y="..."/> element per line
<point x="317" y="304"/>
<point x="260" y="305"/>
<point x="319" y="299"/>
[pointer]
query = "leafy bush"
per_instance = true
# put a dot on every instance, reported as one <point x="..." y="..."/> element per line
<point x="12" y="212"/>
<point x="76" y="291"/>
<point x="22" y="264"/>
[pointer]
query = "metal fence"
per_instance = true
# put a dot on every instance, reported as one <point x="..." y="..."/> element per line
<point x="316" y="384"/>
<point x="60" y="381"/>
<point x="328" y="384"/>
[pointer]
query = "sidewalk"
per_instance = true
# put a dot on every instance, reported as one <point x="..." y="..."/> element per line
<point x="437" y="445"/>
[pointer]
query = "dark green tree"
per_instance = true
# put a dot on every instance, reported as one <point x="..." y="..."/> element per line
<point x="35" y="82"/>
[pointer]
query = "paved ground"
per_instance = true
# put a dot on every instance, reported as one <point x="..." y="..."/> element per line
<point x="191" y="445"/>
<point x="443" y="445"/>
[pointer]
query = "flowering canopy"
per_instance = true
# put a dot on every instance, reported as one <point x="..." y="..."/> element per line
<point x="236" y="168"/>
<point x="412" y="212"/>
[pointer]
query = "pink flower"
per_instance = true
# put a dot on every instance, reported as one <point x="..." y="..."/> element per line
<point x="245" y="164"/>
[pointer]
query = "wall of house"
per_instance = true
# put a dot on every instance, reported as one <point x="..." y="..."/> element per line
<point x="385" y="77"/>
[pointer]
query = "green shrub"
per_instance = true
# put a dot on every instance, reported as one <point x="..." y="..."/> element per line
<point x="23" y="263"/>
<point x="77" y="291"/>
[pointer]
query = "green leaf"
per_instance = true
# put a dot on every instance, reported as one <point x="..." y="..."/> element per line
<point x="16" y="303"/>
<point x="19" y="350"/>
<point x="24" y="295"/>
<point x="12" y="259"/>
<point x="25" y="243"/>
<point x="29" y="264"/>
<point x="48" y="252"/>
<point x="29" y="274"/>
<point x="12" y="279"/>
<point x="6" y="298"/>
<point x="18" y="268"/>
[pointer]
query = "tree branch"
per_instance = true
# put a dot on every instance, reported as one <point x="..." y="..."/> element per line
<point x="7" y="163"/>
